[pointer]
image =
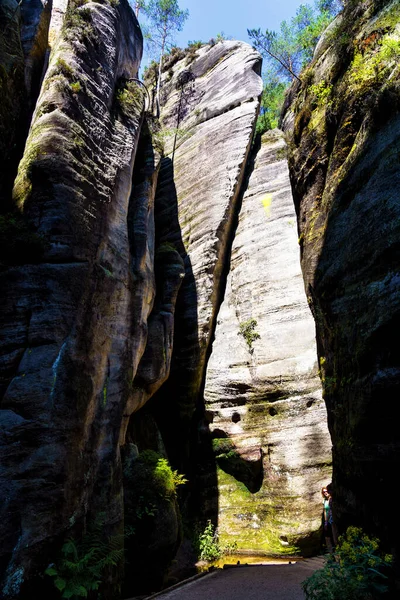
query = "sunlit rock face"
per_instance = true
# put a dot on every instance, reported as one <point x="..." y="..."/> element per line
<point x="209" y="106"/>
<point x="344" y="166"/>
<point x="263" y="394"/>
<point x="68" y="357"/>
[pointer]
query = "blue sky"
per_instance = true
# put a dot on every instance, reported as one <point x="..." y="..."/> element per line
<point x="207" y="18"/>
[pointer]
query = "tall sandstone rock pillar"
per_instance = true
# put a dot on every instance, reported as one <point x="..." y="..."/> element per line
<point x="67" y="352"/>
<point x="209" y="109"/>
<point x="343" y="127"/>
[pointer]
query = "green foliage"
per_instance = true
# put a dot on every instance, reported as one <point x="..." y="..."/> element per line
<point x="64" y="67"/>
<point x="222" y="446"/>
<point x="209" y="546"/>
<point x="155" y="482"/>
<point x="247" y="330"/>
<point x="220" y="37"/>
<point x="166" y="18"/>
<point x="271" y="102"/>
<point x="195" y="44"/>
<point x="321" y="92"/>
<point x="18" y="243"/>
<point x="83" y="564"/>
<point x="75" y="87"/>
<point x="77" y="21"/>
<point x="287" y="51"/>
<point x="375" y="66"/>
<point x="355" y="572"/>
<point x="130" y="98"/>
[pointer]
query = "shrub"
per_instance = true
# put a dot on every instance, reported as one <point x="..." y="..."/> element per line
<point x="355" y="572"/>
<point x="247" y="330"/>
<point x="156" y="481"/>
<point x="64" y="67"/>
<point x="83" y="563"/>
<point x="130" y="97"/>
<point x="209" y="546"/>
<point x="195" y="44"/>
<point x="75" y="87"/>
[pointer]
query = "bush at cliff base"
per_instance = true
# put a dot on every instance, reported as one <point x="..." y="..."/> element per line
<point x="356" y="571"/>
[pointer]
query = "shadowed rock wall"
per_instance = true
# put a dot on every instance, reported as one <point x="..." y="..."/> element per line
<point x="68" y="358"/>
<point x="344" y="166"/>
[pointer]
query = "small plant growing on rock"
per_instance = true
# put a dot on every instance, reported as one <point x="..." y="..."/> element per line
<point x="247" y="330"/>
<point x="83" y="563"/>
<point x="130" y="98"/>
<point x="75" y="87"/>
<point x="357" y="571"/>
<point x="210" y="548"/>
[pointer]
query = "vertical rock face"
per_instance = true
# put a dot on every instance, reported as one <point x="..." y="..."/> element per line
<point x="209" y="109"/>
<point x="344" y="164"/>
<point x="262" y="393"/>
<point x="67" y="356"/>
<point x="13" y="94"/>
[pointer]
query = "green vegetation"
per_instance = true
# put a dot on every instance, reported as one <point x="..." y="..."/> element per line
<point x="271" y="103"/>
<point x="222" y="446"/>
<point x="83" y="564"/>
<point x="247" y="330"/>
<point x="78" y="21"/>
<point x="209" y="546"/>
<point x="75" y="87"/>
<point x="357" y="571"/>
<point x="287" y="52"/>
<point x="130" y="98"/>
<point x="155" y="482"/>
<point x="375" y="66"/>
<point x="321" y="92"/>
<point x="165" y="18"/>
<point x="64" y="67"/>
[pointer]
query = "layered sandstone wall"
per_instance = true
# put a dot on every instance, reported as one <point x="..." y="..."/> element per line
<point x="263" y="393"/>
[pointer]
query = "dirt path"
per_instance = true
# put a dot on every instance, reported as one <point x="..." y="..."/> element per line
<point x="246" y="582"/>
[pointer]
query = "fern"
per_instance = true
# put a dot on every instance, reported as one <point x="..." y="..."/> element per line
<point x="82" y="565"/>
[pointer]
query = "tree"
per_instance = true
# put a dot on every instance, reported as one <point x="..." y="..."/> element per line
<point x="138" y="6"/>
<point x="271" y="102"/>
<point x="166" y="19"/>
<point x="286" y="53"/>
<point x="292" y="47"/>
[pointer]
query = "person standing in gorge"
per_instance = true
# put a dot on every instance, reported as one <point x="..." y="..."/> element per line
<point x="333" y="524"/>
<point x="327" y="519"/>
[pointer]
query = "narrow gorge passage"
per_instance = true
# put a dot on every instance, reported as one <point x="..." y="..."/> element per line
<point x="198" y="326"/>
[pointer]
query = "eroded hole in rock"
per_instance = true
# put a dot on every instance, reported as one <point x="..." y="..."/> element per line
<point x="283" y="539"/>
<point x="219" y="434"/>
<point x="272" y="411"/>
<point x="310" y="403"/>
<point x="48" y="108"/>
<point x="236" y="417"/>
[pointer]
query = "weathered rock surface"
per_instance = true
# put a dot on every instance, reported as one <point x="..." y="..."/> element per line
<point x="211" y="104"/>
<point x="35" y="22"/>
<point x="68" y="359"/>
<point x="344" y="165"/>
<point x="263" y="393"/>
<point x="13" y="95"/>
